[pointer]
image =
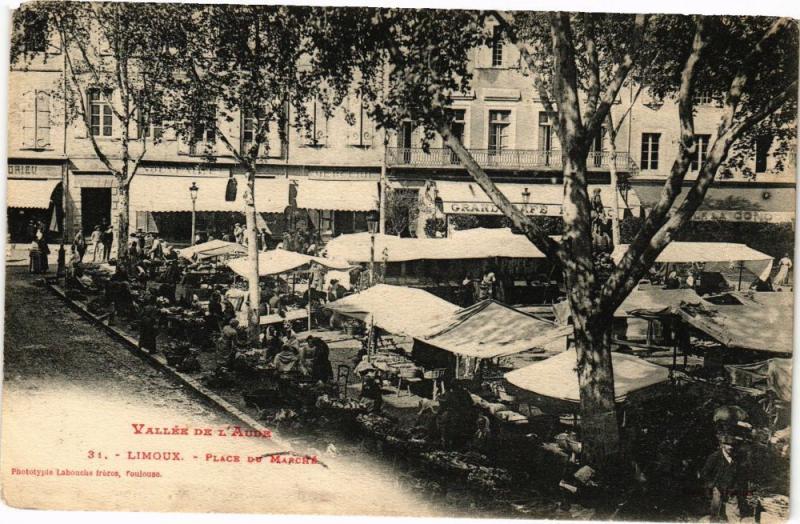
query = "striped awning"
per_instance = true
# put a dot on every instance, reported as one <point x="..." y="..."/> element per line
<point x="168" y="193"/>
<point x="338" y="195"/>
<point x="31" y="193"/>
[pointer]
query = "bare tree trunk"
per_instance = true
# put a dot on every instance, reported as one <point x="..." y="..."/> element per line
<point x="592" y="329"/>
<point x="252" y="258"/>
<point x="123" y="220"/>
<point x="599" y="433"/>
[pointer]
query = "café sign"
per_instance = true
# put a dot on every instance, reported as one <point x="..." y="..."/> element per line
<point x="743" y="215"/>
<point x="487" y="208"/>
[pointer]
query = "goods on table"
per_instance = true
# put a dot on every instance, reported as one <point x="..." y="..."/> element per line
<point x="471" y="465"/>
<point x="343" y="405"/>
<point x="376" y="425"/>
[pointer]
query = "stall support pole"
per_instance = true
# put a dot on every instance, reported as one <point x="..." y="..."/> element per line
<point x="741" y="267"/>
<point x="371" y="259"/>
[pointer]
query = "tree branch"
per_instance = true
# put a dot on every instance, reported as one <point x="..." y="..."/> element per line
<point x="596" y="117"/>
<point x="594" y="64"/>
<point x="629" y="267"/>
<point x="536" y="235"/>
<point x="534" y="66"/>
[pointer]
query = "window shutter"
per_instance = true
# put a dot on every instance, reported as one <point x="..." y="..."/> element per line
<point x="28" y="114"/>
<point x="42" y="120"/>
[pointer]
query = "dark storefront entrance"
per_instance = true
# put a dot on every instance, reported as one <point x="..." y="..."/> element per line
<point x="95" y="208"/>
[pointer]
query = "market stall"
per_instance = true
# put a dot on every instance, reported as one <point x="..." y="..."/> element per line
<point x="399" y="310"/>
<point x="754" y="322"/>
<point x="729" y="259"/>
<point x="213" y="250"/>
<point x="486" y="332"/>
<point x="445" y="262"/>
<point x="554" y="383"/>
<point x="278" y="262"/>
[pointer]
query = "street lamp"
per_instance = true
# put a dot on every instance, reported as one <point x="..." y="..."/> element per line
<point x="372" y="224"/>
<point x="526" y="199"/>
<point x="193" y="189"/>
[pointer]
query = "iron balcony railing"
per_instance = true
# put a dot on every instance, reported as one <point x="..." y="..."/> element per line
<point x="502" y="159"/>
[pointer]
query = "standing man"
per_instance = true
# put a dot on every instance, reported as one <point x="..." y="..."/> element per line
<point x="97" y="245"/>
<point x="107" y="239"/>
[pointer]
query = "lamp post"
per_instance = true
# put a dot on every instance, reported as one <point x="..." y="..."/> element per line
<point x="372" y="225"/>
<point x="193" y="189"/>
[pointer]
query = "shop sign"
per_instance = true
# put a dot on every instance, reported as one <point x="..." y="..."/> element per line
<point x="344" y="175"/>
<point x="34" y="171"/>
<point x="743" y="215"/>
<point x="183" y="171"/>
<point x="487" y="208"/>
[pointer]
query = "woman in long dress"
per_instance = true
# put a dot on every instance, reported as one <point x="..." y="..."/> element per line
<point x="784" y="266"/>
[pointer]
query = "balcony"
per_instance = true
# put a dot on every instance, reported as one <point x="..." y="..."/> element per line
<point x="510" y="159"/>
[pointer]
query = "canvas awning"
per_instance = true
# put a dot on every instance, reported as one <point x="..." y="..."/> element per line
<point x="277" y="261"/>
<point x="399" y="310"/>
<point x="338" y="195"/>
<point x="774" y="374"/>
<point x="467" y="198"/>
<point x="711" y="254"/>
<point x="732" y="201"/>
<point x="762" y="322"/>
<point x="213" y="248"/>
<point x="557" y="378"/>
<point x="168" y="193"/>
<point x="490" y="329"/>
<point x="654" y="300"/>
<point x="467" y="244"/>
<point x="30" y="193"/>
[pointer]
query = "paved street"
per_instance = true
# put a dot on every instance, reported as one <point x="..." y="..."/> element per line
<point x="70" y="389"/>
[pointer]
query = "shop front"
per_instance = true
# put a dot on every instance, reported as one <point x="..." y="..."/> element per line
<point x="338" y="201"/>
<point x="163" y="204"/>
<point x="34" y="198"/>
<point x="533" y="199"/>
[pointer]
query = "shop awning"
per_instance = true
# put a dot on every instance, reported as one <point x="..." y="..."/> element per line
<point x="338" y="195"/>
<point x="655" y="301"/>
<point x="30" y="193"/>
<point x="557" y="378"/>
<point x="397" y="309"/>
<point x="711" y="254"/>
<point x="213" y="248"/>
<point x="490" y="329"/>
<point x="277" y="261"/>
<point x="732" y="201"/>
<point x="468" y="244"/>
<point x="165" y="193"/>
<point x="467" y="198"/>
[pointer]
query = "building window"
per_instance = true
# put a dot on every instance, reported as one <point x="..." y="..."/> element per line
<point x="317" y="125"/>
<point x="763" y="145"/>
<point x="650" y="145"/>
<point x="699" y="157"/>
<point x="546" y="136"/>
<point x="150" y="125"/>
<point x="702" y="97"/>
<point x="35" y="32"/>
<point x="100" y="116"/>
<point x="499" y="122"/>
<point x="457" y="128"/>
<point x="497" y="49"/>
